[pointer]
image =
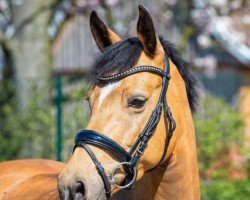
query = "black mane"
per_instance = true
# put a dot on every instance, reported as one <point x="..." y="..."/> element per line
<point x="125" y="54"/>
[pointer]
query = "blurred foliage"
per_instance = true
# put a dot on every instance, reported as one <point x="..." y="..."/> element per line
<point x="225" y="190"/>
<point x="27" y="132"/>
<point x="218" y="126"/>
<point x="31" y="132"/>
<point x="75" y="114"/>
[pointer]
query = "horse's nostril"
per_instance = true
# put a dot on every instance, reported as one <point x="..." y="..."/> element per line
<point x="80" y="191"/>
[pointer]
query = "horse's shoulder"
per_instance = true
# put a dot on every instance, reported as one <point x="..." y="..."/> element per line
<point x="41" y="174"/>
<point x="30" y="165"/>
<point x="41" y="186"/>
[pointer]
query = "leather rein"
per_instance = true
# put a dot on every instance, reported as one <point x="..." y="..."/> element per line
<point x="129" y="159"/>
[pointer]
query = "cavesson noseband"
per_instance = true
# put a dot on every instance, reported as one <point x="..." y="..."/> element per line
<point x="129" y="159"/>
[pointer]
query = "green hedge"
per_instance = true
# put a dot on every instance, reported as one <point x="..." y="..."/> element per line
<point x="31" y="132"/>
<point x="225" y="190"/>
<point x="218" y="125"/>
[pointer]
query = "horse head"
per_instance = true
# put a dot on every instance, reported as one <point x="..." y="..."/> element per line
<point x="127" y="141"/>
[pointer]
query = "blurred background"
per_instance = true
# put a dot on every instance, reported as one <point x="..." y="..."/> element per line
<point x="45" y="52"/>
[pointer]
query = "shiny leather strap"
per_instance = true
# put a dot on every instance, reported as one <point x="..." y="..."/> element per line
<point x="98" y="139"/>
<point x="141" y="143"/>
<point x="98" y="165"/>
<point x="94" y="138"/>
<point x="134" y="70"/>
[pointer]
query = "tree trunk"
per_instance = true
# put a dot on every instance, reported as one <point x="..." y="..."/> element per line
<point x="30" y="47"/>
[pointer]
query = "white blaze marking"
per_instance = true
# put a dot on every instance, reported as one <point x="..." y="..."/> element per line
<point x="107" y="90"/>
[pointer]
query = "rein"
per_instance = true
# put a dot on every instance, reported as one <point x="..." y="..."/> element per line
<point x="129" y="159"/>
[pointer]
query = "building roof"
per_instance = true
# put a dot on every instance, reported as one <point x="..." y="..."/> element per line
<point x="233" y="32"/>
<point x="73" y="47"/>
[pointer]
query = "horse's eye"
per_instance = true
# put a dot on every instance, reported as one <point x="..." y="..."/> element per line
<point x="136" y="102"/>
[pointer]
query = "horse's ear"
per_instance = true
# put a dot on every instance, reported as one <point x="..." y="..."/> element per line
<point x="103" y="36"/>
<point x="146" y="32"/>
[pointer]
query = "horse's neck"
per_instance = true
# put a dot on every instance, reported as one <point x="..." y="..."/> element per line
<point x="145" y="189"/>
<point x="176" y="179"/>
<point x="181" y="178"/>
<point x="176" y="182"/>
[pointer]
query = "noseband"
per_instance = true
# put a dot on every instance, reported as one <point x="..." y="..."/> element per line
<point x="129" y="159"/>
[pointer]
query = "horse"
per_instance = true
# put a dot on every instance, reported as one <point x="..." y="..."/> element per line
<point x="29" y="179"/>
<point x="140" y="139"/>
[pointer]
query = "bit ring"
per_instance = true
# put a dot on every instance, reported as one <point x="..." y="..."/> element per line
<point x="113" y="180"/>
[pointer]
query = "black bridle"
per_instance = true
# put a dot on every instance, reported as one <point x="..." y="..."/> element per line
<point x="129" y="159"/>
